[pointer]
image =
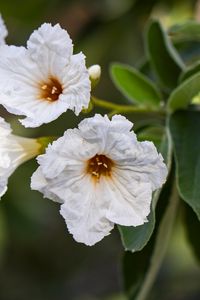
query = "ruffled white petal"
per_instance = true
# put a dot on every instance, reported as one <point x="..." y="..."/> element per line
<point x="18" y="80"/>
<point x="23" y="72"/>
<point x="140" y="159"/>
<point x="76" y="84"/>
<point x="129" y="199"/>
<point x="39" y="183"/>
<point x="52" y="173"/>
<point x="14" y="151"/>
<point x="3" y="188"/>
<point x="86" y="219"/>
<point x="66" y="156"/>
<point x="89" y="206"/>
<point x="47" y="39"/>
<point x="3" y="31"/>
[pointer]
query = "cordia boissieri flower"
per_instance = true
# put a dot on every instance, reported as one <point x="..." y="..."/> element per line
<point x="101" y="175"/>
<point x="45" y="79"/>
<point x="3" y="31"/>
<point x="14" y="150"/>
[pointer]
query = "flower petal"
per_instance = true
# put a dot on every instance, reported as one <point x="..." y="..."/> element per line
<point x="86" y="219"/>
<point x="68" y="153"/>
<point x="3" y="31"/>
<point x="52" y="41"/>
<point x="39" y="182"/>
<point x="76" y="84"/>
<point x="142" y="160"/>
<point x="129" y="199"/>
<point x="3" y="187"/>
<point x="106" y="133"/>
<point x="14" y="151"/>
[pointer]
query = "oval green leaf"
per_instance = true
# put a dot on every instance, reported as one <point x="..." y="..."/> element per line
<point x="184" y="93"/>
<point x="162" y="55"/>
<point x="184" y="128"/>
<point x="189" y="31"/>
<point x="192" y="229"/>
<point x="190" y="71"/>
<point x="135" y="86"/>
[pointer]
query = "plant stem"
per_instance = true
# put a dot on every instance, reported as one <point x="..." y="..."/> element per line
<point x="125" y="108"/>
<point x="45" y="141"/>
<point x="162" y="241"/>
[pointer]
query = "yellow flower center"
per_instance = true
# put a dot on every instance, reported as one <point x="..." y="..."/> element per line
<point x="99" y="165"/>
<point x="51" y="89"/>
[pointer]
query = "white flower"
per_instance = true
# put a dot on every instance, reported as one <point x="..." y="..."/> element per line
<point x="101" y="175"/>
<point x="3" y="31"/>
<point x="14" y="150"/>
<point x="44" y="80"/>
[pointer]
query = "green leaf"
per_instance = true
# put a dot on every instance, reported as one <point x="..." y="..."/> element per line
<point x="135" y="266"/>
<point x="184" y="127"/>
<point x="184" y="93"/>
<point x="138" y="268"/>
<point x="189" y="31"/>
<point x="163" y="57"/>
<point x="163" y="234"/>
<point x="135" y="238"/>
<point x="144" y="67"/>
<point x="3" y="234"/>
<point x="192" y="227"/>
<point x="190" y="71"/>
<point x="134" y="85"/>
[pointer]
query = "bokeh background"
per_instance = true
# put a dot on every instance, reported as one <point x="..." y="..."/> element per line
<point x="39" y="260"/>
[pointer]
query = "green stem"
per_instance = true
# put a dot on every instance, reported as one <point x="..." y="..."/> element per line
<point x="125" y="108"/>
<point x="44" y="142"/>
<point x="162" y="241"/>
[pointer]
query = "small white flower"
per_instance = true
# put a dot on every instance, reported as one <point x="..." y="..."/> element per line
<point x="14" y="150"/>
<point x="101" y="175"/>
<point x="44" y="80"/>
<point x="3" y="31"/>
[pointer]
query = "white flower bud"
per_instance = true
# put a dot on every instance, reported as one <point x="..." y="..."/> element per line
<point x="94" y="74"/>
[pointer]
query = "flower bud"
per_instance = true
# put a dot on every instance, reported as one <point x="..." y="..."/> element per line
<point x="94" y="74"/>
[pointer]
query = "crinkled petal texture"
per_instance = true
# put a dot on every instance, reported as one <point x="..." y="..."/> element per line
<point x="3" y="31"/>
<point x="101" y="175"/>
<point x="14" y="151"/>
<point x="45" y="79"/>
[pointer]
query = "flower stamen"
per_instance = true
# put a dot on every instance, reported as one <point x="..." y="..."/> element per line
<point x="99" y="165"/>
<point x="51" y="89"/>
<point x="44" y="87"/>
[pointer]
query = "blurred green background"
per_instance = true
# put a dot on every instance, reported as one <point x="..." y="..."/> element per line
<point x="39" y="260"/>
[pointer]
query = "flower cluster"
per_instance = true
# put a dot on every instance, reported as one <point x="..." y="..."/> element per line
<point x="98" y="172"/>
